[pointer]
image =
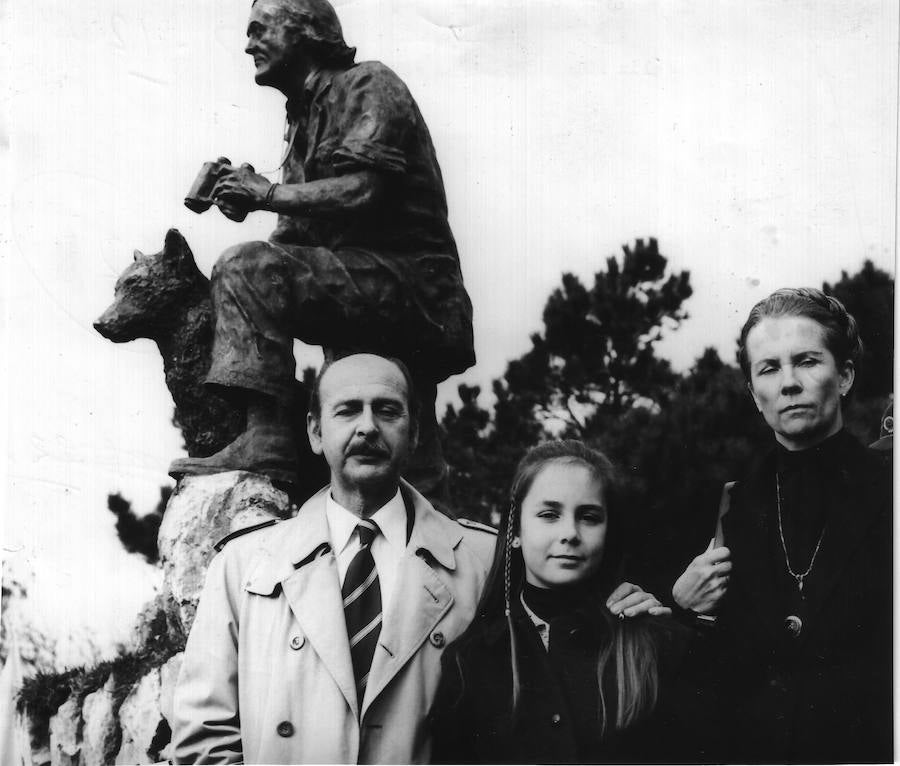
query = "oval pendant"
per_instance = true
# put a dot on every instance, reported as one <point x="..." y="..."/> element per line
<point x="794" y="625"/>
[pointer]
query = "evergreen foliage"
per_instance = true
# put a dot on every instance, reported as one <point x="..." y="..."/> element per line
<point x="869" y="296"/>
<point x="138" y="534"/>
<point x="592" y="374"/>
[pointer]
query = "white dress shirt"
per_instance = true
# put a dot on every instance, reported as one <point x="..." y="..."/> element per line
<point x="387" y="547"/>
<point x="543" y="627"/>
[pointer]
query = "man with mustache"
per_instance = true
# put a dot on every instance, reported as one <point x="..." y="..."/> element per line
<point x="318" y="639"/>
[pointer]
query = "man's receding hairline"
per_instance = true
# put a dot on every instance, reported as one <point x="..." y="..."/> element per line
<point x="387" y="361"/>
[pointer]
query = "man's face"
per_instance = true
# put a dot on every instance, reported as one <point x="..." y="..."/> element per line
<point x="365" y="431"/>
<point x="795" y="381"/>
<point x="272" y="44"/>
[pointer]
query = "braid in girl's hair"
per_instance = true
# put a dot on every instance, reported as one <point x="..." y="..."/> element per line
<point x="513" y="648"/>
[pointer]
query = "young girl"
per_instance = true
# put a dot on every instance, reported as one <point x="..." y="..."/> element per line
<point x="546" y="673"/>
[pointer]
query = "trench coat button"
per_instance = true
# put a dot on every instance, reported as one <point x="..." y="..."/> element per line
<point x="437" y="638"/>
<point x="296" y="642"/>
<point x="555" y="719"/>
<point x="285" y="729"/>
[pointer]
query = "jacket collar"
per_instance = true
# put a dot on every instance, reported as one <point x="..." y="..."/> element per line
<point x="586" y="621"/>
<point x="315" y="86"/>
<point x="297" y="542"/>
<point x="432" y="531"/>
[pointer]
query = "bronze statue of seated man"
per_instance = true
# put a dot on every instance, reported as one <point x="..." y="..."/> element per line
<point x="362" y="258"/>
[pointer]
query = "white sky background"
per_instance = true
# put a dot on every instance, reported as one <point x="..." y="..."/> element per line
<point x="756" y="141"/>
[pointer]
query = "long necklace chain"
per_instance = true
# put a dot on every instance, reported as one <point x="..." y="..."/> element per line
<point x="787" y="562"/>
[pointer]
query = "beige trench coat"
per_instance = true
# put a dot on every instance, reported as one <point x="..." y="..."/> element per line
<point x="267" y="675"/>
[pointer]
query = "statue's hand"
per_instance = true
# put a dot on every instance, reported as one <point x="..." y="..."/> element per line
<point x="241" y="188"/>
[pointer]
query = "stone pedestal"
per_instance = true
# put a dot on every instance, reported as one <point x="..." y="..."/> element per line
<point x="139" y="718"/>
<point x="97" y="729"/>
<point x="65" y="744"/>
<point x="201" y="511"/>
<point x="100" y="732"/>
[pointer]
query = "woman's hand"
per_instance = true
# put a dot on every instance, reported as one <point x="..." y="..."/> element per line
<point x="705" y="581"/>
<point x="242" y="188"/>
<point x="629" y="600"/>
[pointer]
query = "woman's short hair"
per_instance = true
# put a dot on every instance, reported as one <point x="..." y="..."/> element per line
<point x="841" y="331"/>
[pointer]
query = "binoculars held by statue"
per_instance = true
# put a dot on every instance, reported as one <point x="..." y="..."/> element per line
<point x="198" y="197"/>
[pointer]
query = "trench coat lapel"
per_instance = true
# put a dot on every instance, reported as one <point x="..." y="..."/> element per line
<point x="421" y="598"/>
<point x="314" y="595"/>
<point x="305" y="567"/>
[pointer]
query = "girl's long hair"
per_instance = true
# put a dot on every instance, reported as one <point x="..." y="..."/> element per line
<point x="627" y="663"/>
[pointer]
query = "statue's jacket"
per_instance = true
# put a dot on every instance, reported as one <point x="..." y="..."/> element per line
<point x="267" y="675"/>
<point x="401" y="249"/>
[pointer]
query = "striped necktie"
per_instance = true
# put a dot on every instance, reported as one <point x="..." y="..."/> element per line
<point x="362" y="606"/>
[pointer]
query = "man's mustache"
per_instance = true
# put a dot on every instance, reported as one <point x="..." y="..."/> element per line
<point x="368" y="450"/>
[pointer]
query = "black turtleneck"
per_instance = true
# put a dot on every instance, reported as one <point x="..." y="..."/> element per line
<point x="551" y="603"/>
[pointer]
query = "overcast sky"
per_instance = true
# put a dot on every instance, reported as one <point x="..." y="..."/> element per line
<point x="755" y="140"/>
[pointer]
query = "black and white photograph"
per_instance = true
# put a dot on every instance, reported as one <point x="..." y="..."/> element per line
<point x="448" y="381"/>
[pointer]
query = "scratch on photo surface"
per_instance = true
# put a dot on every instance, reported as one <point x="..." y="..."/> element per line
<point x="148" y="78"/>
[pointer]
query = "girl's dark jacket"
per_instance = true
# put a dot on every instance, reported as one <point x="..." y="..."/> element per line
<point x="557" y="719"/>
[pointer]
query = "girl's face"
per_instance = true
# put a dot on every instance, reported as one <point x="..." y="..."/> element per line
<point x="562" y="526"/>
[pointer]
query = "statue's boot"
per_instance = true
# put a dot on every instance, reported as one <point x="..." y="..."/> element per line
<point x="266" y="449"/>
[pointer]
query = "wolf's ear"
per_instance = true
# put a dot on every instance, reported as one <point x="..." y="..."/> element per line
<point x="138" y="255"/>
<point x="176" y="249"/>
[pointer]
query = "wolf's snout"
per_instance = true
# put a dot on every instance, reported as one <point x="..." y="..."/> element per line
<point x="106" y="323"/>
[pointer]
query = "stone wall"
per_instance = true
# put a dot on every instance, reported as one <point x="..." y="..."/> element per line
<point x="119" y="711"/>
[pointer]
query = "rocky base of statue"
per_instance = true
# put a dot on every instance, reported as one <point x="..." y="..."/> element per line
<point x="201" y="511"/>
<point x="114" y="712"/>
<point x="118" y="711"/>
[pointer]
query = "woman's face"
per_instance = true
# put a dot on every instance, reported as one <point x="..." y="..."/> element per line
<point x="562" y="525"/>
<point x="795" y="381"/>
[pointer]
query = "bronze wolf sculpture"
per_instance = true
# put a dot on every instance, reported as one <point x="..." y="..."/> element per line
<point x="165" y="297"/>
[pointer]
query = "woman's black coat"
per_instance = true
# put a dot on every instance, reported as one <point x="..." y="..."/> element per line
<point x="825" y="694"/>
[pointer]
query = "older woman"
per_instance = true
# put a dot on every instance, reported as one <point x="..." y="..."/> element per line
<point x="800" y="662"/>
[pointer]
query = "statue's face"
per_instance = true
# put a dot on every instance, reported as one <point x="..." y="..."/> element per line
<point x="275" y="50"/>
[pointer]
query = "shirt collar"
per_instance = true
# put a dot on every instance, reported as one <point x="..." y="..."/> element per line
<point x="390" y="518"/>
<point x="538" y="621"/>
<point x="317" y="82"/>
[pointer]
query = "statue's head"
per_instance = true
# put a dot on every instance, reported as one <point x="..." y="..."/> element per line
<point x="283" y="33"/>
